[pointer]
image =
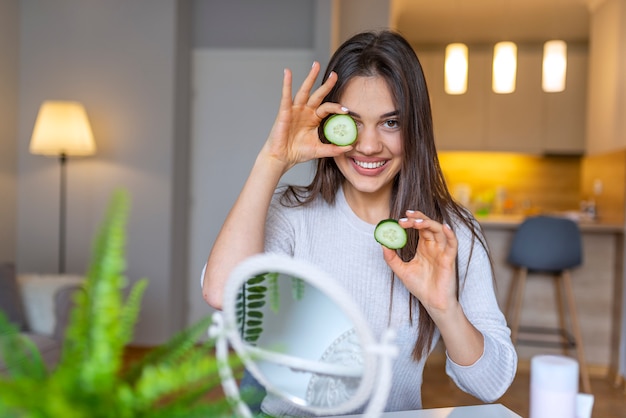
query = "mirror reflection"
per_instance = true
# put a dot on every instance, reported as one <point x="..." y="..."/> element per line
<point x="300" y="341"/>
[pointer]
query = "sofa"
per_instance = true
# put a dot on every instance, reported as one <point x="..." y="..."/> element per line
<point x="40" y="306"/>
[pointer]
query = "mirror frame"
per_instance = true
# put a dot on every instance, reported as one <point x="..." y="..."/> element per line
<point x="264" y="263"/>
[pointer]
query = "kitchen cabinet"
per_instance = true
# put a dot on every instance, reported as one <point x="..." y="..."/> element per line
<point x="527" y="120"/>
<point x="459" y="120"/>
<point x="565" y="113"/>
<point x="514" y="120"/>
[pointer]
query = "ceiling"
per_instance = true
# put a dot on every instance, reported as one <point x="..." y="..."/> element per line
<point x="442" y="21"/>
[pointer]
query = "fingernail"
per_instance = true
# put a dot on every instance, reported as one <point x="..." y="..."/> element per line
<point x="447" y="226"/>
<point x="419" y="221"/>
<point x="344" y="109"/>
<point x="410" y="211"/>
<point x="403" y="219"/>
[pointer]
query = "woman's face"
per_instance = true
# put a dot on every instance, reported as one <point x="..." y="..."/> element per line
<point x="377" y="155"/>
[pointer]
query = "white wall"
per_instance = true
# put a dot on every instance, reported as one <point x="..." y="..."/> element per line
<point x="120" y="58"/>
<point x="236" y="96"/>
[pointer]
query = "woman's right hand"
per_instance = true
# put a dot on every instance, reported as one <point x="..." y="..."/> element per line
<point x="293" y="139"/>
<point x="294" y="136"/>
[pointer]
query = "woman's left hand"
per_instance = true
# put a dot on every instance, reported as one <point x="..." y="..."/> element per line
<point x="430" y="275"/>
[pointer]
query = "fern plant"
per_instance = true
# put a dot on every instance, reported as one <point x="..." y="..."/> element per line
<point x="90" y="379"/>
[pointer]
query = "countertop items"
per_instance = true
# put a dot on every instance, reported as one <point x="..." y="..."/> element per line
<point x="494" y="221"/>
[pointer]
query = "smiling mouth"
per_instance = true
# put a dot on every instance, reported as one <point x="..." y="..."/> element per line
<point x="369" y="165"/>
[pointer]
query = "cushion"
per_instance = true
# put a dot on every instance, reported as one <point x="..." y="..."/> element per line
<point x="10" y="297"/>
<point x="38" y="294"/>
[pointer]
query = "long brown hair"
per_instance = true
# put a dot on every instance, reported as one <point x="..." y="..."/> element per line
<point x="420" y="184"/>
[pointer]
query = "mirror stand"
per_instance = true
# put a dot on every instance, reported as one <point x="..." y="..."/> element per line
<point x="386" y="352"/>
<point x="231" y="390"/>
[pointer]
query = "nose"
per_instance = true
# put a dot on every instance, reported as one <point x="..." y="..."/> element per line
<point x="368" y="141"/>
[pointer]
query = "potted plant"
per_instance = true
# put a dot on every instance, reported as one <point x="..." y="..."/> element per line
<point x="91" y="379"/>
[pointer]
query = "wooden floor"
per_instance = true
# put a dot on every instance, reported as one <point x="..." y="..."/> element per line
<point x="439" y="391"/>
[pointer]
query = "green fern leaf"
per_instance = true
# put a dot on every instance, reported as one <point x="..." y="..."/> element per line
<point x="131" y="310"/>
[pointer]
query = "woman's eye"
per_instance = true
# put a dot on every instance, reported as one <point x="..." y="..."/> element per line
<point x="391" y="123"/>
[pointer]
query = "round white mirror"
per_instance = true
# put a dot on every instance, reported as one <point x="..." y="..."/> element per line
<point x="302" y="337"/>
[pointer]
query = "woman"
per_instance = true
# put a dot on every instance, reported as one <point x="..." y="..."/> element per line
<point x="440" y="284"/>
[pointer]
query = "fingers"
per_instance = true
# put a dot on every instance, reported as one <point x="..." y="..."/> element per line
<point x="417" y="220"/>
<point x="285" y="98"/>
<point x="429" y="229"/>
<point x="302" y="95"/>
<point x="318" y="95"/>
<point x="393" y="260"/>
<point x="329" y="108"/>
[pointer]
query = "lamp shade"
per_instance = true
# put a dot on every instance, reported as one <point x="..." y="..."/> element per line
<point x="554" y="66"/>
<point x="62" y="128"/>
<point x="504" y="67"/>
<point x="456" y="69"/>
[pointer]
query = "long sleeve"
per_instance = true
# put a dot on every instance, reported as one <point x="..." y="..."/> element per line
<point x="491" y="375"/>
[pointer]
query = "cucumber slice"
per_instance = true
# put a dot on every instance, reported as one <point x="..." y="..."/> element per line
<point x="340" y="130"/>
<point x="389" y="233"/>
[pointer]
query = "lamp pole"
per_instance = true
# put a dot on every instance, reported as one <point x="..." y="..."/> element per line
<point x="62" y="204"/>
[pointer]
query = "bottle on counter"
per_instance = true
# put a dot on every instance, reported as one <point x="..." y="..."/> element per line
<point x="588" y="209"/>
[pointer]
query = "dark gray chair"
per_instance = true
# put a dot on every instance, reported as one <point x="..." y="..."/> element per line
<point x="552" y="245"/>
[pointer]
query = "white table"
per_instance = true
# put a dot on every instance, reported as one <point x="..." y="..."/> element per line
<point x="476" y="411"/>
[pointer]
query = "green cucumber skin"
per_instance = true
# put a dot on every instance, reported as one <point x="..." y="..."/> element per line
<point x="347" y="130"/>
<point x="390" y="226"/>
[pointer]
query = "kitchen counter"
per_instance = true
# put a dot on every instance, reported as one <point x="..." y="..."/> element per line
<point x="513" y="221"/>
<point x="598" y="289"/>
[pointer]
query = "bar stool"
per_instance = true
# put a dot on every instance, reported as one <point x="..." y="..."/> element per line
<point x="553" y="245"/>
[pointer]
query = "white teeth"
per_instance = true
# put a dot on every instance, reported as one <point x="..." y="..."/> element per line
<point x="369" y="165"/>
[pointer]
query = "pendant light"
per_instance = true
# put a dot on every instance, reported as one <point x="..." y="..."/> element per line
<point x="554" y="66"/>
<point x="504" y="67"/>
<point x="456" y="69"/>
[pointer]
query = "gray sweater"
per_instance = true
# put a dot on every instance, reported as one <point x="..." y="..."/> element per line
<point x="336" y="240"/>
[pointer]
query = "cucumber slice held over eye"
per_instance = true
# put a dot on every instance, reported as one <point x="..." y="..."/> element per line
<point x="340" y="130"/>
<point x="389" y="233"/>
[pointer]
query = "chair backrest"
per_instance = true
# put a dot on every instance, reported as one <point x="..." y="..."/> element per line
<point x="547" y="243"/>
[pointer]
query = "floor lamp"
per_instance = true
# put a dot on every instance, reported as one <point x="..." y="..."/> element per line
<point x="61" y="130"/>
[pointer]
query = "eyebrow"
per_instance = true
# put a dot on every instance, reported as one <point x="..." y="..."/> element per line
<point x="383" y="116"/>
